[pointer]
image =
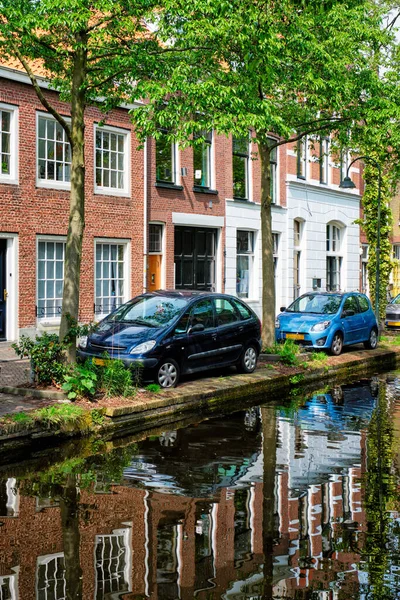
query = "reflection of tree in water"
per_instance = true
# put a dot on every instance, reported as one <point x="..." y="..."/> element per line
<point x="380" y="493"/>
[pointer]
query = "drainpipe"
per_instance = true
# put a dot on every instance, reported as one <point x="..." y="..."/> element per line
<point x="145" y="202"/>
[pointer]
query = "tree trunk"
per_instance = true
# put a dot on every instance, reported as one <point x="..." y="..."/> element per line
<point x="268" y="415"/>
<point x="268" y="279"/>
<point x="73" y="250"/>
<point x="69" y="507"/>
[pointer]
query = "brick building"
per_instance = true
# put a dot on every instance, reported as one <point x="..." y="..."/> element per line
<point x="159" y="217"/>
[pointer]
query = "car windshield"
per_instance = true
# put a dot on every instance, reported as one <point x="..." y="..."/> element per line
<point x="151" y="311"/>
<point x="316" y="304"/>
<point x="396" y="300"/>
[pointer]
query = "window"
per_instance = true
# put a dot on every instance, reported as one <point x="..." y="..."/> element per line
<point x="275" y="246"/>
<point x="155" y="238"/>
<point x="50" y="577"/>
<point x="112" y="563"/>
<point x="324" y="160"/>
<point x="203" y="313"/>
<point x="110" y="277"/>
<point x="50" y="278"/>
<point x="165" y="159"/>
<point x="202" y="160"/>
<point x="225" y="311"/>
<point x="364" y="268"/>
<point x="53" y="153"/>
<point x="8" y="140"/>
<point x="243" y="310"/>
<point x="111" y="161"/>
<point x="9" y="587"/>
<point x="244" y="262"/>
<point x="344" y="164"/>
<point x="297" y="233"/>
<point x="332" y="238"/>
<point x="240" y="160"/>
<point x="273" y="171"/>
<point x="364" y="304"/>
<point x="302" y="158"/>
<point x="396" y="252"/>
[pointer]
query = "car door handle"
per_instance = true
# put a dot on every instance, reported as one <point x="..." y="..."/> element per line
<point x="214" y="336"/>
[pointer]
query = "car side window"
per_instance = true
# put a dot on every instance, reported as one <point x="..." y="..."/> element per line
<point x="203" y="313"/>
<point x="243" y="310"/>
<point x="363" y="302"/>
<point x="351" y="303"/>
<point x="225" y="311"/>
<point x="183" y="323"/>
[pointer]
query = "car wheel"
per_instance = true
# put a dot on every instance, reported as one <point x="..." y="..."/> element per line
<point x="248" y="362"/>
<point x="337" y="344"/>
<point x="372" y="341"/>
<point x="168" y="374"/>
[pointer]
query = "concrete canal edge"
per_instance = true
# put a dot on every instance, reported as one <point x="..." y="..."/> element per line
<point x="210" y="394"/>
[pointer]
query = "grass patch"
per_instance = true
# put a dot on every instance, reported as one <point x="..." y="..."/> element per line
<point x="319" y="358"/>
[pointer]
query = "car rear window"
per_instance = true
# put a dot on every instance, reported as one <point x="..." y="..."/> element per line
<point x="363" y="302"/>
<point x="316" y="304"/>
<point x="243" y="310"/>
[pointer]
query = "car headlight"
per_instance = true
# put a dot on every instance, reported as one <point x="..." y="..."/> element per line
<point x="82" y="342"/>
<point x="321" y="326"/>
<point x="277" y="323"/>
<point x="142" y="348"/>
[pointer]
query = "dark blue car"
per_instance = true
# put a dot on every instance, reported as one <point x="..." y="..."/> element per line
<point x="172" y="333"/>
<point x="328" y="320"/>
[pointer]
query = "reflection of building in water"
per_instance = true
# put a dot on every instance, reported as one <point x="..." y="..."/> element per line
<point x="169" y="544"/>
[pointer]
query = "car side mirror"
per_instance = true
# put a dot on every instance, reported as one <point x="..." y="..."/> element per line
<point x="282" y="308"/>
<point x="197" y="327"/>
<point x="348" y="313"/>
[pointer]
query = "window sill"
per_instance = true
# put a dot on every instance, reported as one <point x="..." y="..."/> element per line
<point x="169" y="186"/>
<point x="198" y="189"/>
<point x="237" y="199"/>
<point x="53" y="185"/>
<point x="302" y="177"/>
<point x="8" y="181"/>
<point x="114" y="193"/>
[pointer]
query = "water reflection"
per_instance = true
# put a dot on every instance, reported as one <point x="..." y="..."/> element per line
<point x="292" y="501"/>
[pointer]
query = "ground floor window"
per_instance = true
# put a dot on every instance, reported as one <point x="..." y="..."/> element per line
<point x="112" y="565"/>
<point x="275" y="247"/>
<point x="50" y="278"/>
<point x="110" y="276"/>
<point x="50" y="578"/>
<point x="244" y="262"/>
<point x="333" y="271"/>
<point x="296" y="273"/>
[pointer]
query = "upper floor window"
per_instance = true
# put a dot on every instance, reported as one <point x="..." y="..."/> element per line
<point x="240" y="164"/>
<point x="332" y="238"/>
<point x="344" y="164"/>
<point x="273" y="160"/>
<point x="112" y="159"/>
<point x="324" y="160"/>
<point x="333" y="258"/>
<point x="54" y="153"/>
<point x="8" y="143"/>
<point x="302" y="158"/>
<point x="202" y="160"/>
<point x="165" y="159"/>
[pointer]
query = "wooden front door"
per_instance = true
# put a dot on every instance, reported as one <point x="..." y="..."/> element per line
<point x="154" y="272"/>
<point x="3" y="291"/>
<point x="195" y="258"/>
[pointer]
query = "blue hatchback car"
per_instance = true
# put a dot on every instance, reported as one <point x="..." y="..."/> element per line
<point x="329" y="321"/>
<point x="170" y="333"/>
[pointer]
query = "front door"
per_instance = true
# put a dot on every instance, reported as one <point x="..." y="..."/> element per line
<point x="195" y="258"/>
<point x="3" y="291"/>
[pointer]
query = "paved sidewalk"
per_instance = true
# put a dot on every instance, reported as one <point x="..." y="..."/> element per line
<point x="13" y="370"/>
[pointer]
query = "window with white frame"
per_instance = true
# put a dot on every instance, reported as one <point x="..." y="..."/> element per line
<point x="155" y="238"/>
<point x="273" y="161"/>
<point x="344" y="164"/>
<point x="297" y="234"/>
<point x="333" y="258"/>
<point x="396" y="252"/>
<point x="324" y="160"/>
<point x="364" y="268"/>
<point x="8" y="142"/>
<point x="240" y="167"/>
<point x="302" y="158"/>
<point x="9" y="587"/>
<point x="244" y="262"/>
<point x="50" y="577"/>
<point x="53" y="153"/>
<point x="112" y="157"/>
<point x="110" y="276"/>
<point x="112" y="563"/>
<point x="275" y="247"/>
<point x="50" y="277"/>
<point x="202" y="160"/>
<point x="165" y="159"/>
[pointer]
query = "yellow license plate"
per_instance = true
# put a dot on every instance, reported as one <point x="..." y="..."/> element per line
<point x="295" y="336"/>
<point x="393" y="323"/>
<point x="99" y="361"/>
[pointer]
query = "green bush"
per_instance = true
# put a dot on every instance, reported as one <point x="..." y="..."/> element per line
<point x="47" y="356"/>
<point x="62" y="415"/>
<point x="116" y="380"/>
<point x="288" y="352"/>
<point x="153" y="387"/>
<point x="81" y="381"/>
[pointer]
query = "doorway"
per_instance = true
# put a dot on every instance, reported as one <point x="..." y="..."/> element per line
<point x="3" y="289"/>
<point x="195" y="250"/>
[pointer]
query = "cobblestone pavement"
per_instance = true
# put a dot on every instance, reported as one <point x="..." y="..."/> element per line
<point x="14" y="371"/>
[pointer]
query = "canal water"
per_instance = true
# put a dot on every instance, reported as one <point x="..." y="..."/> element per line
<point x="298" y="498"/>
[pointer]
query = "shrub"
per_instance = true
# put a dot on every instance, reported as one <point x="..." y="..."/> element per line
<point x="153" y="387"/>
<point x="288" y="352"/>
<point x="47" y="357"/>
<point x="116" y="380"/>
<point x="80" y="381"/>
<point x="61" y="415"/>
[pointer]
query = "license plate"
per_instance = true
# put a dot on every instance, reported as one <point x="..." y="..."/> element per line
<point x="295" y="336"/>
<point x="99" y="361"/>
<point x="393" y="323"/>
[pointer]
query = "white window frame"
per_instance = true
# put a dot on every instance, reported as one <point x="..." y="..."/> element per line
<point x="54" y="239"/>
<point x="247" y="173"/>
<point x="274" y="174"/>
<point x="345" y="159"/>
<point x="46" y="560"/>
<point x="126" y="243"/>
<point x="111" y="191"/>
<point x="334" y="245"/>
<point x="160" y="227"/>
<point x="12" y="176"/>
<point x="324" y="170"/>
<point x="175" y="162"/>
<point x="126" y="534"/>
<point x="209" y="146"/>
<point x="49" y="183"/>
<point x="302" y="158"/>
<point x="250" y="255"/>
